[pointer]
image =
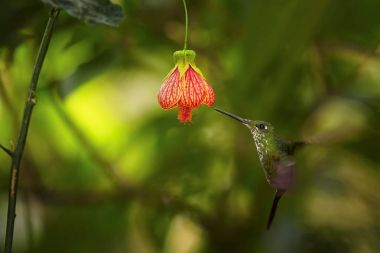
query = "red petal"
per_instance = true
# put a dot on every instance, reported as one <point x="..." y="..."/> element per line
<point x="170" y="91"/>
<point x="184" y="114"/>
<point x="194" y="89"/>
<point x="210" y="95"/>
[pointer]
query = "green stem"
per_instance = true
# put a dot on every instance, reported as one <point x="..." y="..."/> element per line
<point x="17" y="155"/>
<point x="186" y="23"/>
<point x="107" y="166"/>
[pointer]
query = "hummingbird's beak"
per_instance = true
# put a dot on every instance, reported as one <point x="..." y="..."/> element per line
<point x="241" y="120"/>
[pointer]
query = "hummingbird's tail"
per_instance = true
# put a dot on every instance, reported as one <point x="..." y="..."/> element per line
<point x="276" y="199"/>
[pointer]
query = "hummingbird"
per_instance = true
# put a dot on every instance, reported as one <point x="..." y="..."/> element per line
<point x="275" y="156"/>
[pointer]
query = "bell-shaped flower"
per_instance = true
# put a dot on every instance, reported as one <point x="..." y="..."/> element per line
<point x="185" y="87"/>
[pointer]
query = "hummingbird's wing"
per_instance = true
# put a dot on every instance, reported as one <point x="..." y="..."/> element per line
<point x="294" y="146"/>
<point x="282" y="180"/>
<point x="290" y="147"/>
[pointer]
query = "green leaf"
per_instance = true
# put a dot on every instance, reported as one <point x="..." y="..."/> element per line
<point x="91" y="11"/>
<point x="88" y="71"/>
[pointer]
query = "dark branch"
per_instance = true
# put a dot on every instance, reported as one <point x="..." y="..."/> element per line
<point x="19" y="150"/>
<point x="6" y="150"/>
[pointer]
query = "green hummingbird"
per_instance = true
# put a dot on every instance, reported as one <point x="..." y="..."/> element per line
<point x="275" y="157"/>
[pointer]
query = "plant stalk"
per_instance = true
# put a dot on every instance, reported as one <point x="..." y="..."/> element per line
<point x="28" y="109"/>
<point x="186" y="24"/>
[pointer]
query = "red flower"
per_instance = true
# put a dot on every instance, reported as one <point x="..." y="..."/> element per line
<point x="185" y="87"/>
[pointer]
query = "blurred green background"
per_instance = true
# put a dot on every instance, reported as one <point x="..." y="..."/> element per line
<point x="107" y="170"/>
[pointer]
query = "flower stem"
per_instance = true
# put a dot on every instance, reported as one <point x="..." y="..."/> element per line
<point x="17" y="154"/>
<point x="186" y="24"/>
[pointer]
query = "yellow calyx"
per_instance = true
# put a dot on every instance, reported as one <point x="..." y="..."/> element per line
<point x="184" y="58"/>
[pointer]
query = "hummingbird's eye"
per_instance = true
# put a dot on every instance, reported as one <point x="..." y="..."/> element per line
<point x="262" y="126"/>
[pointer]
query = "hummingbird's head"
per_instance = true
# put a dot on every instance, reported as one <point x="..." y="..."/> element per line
<point x="260" y="129"/>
